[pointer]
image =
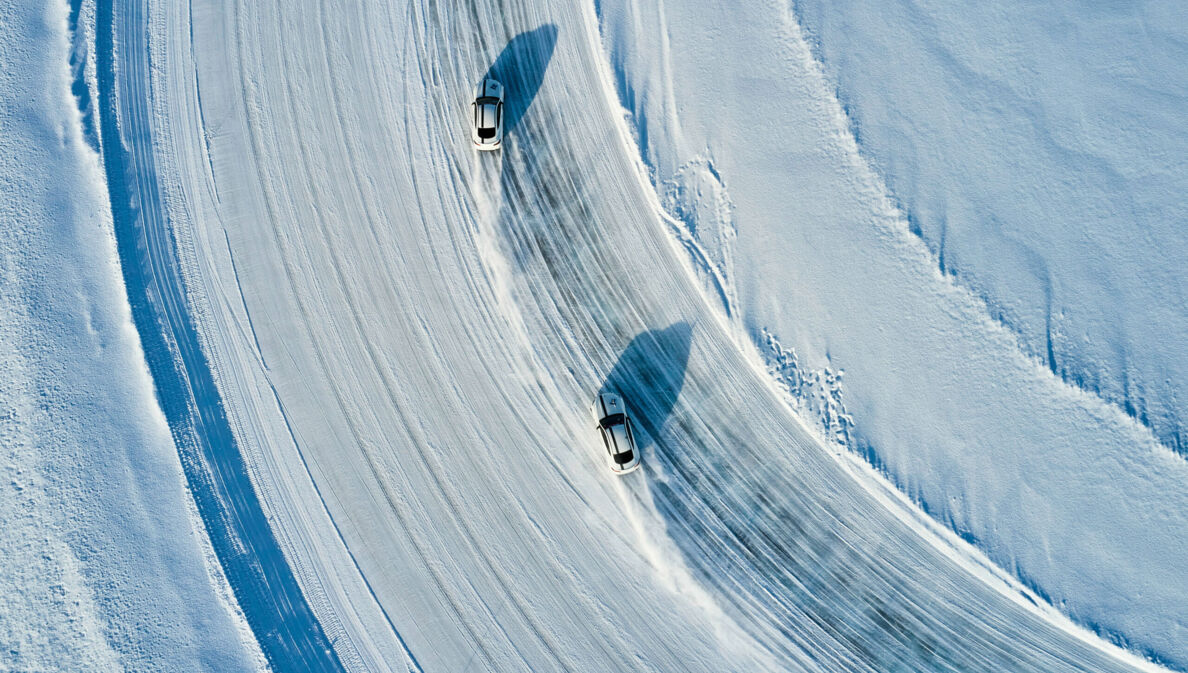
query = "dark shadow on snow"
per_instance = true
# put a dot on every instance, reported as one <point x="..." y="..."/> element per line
<point x="650" y="374"/>
<point x="521" y="69"/>
<point x="264" y="585"/>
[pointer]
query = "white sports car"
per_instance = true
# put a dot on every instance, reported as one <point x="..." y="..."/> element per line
<point x="615" y="429"/>
<point x="487" y="131"/>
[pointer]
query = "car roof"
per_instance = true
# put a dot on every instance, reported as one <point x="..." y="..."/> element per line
<point x="486" y="115"/>
<point x="622" y="441"/>
<point x="617" y="438"/>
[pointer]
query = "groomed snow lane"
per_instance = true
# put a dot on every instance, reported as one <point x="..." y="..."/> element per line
<point x="408" y="337"/>
<point x="289" y="635"/>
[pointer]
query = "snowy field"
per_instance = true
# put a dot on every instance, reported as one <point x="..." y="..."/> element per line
<point x="872" y="442"/>
<point x="880" y="337"/>
<point x="104" y="563"/>
<point x="1039" y="151"/>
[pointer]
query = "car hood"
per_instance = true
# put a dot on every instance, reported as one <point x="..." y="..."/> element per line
<point x="489" y="87"/>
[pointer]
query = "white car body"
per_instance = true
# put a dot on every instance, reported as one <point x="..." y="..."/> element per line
<point x="615" y="433"/>
<point x="486" y="129"/>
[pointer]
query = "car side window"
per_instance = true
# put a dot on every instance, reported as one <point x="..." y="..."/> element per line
<point x="604" y="442"/>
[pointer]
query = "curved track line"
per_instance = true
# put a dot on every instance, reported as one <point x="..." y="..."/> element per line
<point x="263" y="584"/>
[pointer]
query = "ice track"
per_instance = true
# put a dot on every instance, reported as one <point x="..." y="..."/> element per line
<point x="406" y="337"/>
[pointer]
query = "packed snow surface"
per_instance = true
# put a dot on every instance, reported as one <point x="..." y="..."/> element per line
<point x="881" y="348"/>
<point x="889" y="421"/>
<point x="406" y="338"/>
<point x="104" y="564"/>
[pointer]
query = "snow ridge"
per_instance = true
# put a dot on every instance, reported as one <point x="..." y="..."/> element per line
<point x="1069" y="238"/>
<point x="268" y="595"/>
<point x="815" y="394"/>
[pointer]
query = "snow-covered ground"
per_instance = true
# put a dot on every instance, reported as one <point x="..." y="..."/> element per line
<point x="407" y="337"/>
<point x="1056" y="482"/>
<point x="1039" y="151"/>
<point x="375" y="348"/>
<point x="104" y="563"/>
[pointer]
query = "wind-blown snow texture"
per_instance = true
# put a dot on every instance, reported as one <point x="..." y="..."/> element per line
<point x="406" y="337"/>
<point x="1039" y="151"/>
<point x="377" y="348"/>
<point x="104" y="564"/>
<point x="883" y="353"/>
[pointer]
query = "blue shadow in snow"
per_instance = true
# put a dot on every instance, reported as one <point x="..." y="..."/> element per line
<point x="650" y="374"/>
<point x="521" y="69"/>
<point x="265" y="587"/>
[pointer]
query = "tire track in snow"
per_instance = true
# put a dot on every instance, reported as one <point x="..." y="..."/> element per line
<point x="394" y="502"/>
<point x="866" y="630"/>
<point x="257" y="571"/>
<point x="347" y="411"/>
<point x="453" y="33"/>
<point x="769" y="525"/>
<point x="475" y="40"/>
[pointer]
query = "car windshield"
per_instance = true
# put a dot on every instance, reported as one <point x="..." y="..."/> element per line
<point x="612" y="420"/>
<point x="625" y="457"/>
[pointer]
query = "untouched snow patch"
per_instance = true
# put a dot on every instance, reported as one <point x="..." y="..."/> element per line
<point x="104" y="564"/>
<point x="1038" y="151"/>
